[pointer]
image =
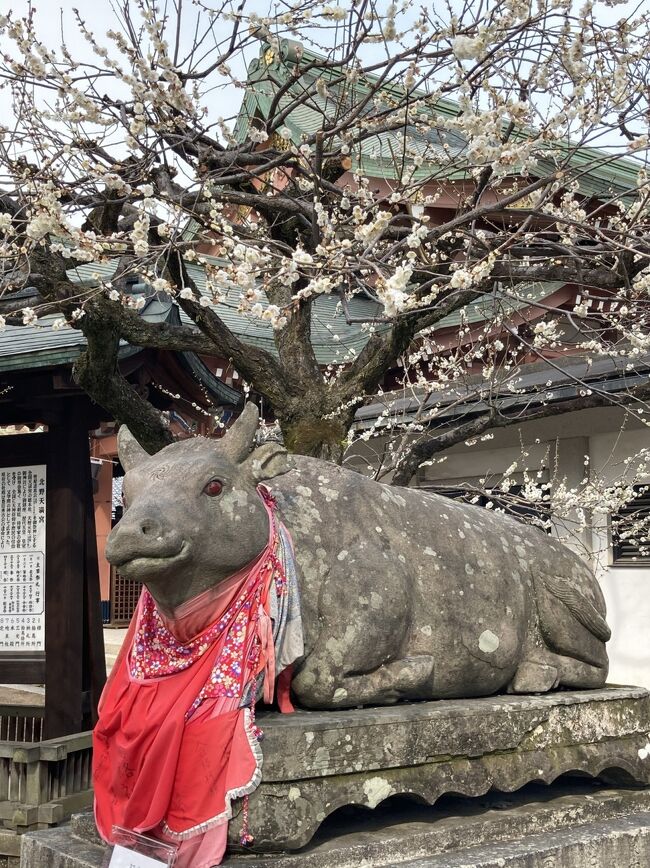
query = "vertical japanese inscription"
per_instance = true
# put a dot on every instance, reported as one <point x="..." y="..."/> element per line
<point x="22" y="558"/>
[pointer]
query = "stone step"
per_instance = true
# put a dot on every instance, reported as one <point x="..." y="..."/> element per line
<point x="477" y="833"/>
<point x="321" y="767"/>
<point x="619" y="843"/>
<point x="59" y="848"/>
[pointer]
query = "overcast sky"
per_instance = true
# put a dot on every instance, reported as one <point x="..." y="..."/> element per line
<point x="55" y="17"/>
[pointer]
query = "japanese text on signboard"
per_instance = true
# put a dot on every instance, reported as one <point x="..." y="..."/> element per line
<point x="22" y="558"/>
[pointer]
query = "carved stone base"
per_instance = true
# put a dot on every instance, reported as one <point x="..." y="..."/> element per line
<point x="568" y="825"/>
<point x="316" y="762"/>
<point x="572" y="824"/>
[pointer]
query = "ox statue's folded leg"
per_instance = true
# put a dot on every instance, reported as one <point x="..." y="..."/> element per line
<point x="317" y="687"/>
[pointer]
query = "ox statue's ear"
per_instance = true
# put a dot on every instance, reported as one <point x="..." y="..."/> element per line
<point x="239" y="438"/>
<point x="268" y="461"/>
<point x="129" y="450"/>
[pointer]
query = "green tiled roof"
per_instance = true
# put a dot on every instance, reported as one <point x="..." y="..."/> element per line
<point x="376" y="153"/>
<point x="505" y="302"/>
<point x="39" y="345"/>
<point x="334" y="339"/>
<point x="598" y="173"/>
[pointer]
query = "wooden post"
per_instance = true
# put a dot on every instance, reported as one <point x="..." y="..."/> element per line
<point x="64" y="577"/>
<point x="75" y="666"/>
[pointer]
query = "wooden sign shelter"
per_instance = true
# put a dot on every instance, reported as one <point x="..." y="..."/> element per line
<point x="37" y="388"/>
<point x="59" y="587"/>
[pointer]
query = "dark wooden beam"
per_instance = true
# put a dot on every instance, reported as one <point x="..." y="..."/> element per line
<point x="22" y="667"/>
<point x="64" y="578"/>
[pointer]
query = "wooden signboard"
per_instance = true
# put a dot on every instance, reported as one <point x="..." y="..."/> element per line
<point x="50" y="616"/>
<point x="22" y="557"/>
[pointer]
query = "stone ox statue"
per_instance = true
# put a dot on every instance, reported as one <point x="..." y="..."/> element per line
<point x="404" y="594"/>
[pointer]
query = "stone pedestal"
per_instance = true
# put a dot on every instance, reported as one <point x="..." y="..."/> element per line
<point x="317" y="762"/>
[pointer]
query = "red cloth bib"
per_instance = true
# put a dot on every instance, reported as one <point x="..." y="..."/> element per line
<point x="172" y="747"/>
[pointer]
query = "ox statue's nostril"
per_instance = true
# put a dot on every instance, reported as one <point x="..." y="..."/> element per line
<point x="151" y="527"/>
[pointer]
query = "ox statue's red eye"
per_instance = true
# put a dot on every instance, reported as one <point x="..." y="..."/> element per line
<point x="213" y="488"/>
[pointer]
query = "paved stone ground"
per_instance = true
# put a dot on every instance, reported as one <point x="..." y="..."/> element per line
<point x="21" y="694"/>
<point x="113" y="638"/>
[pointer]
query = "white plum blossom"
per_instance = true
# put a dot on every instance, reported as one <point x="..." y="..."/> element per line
<point x="42" y="224"/>
<point x="370" y="232"/>
<point x="160" y="285"/>
<point x="393" y="292"/>
<point x="316" y="286"/>
<point x="545" y="333"/>
<point x="301" y="257"/>
<point x="461" y="279"/>
<point x="257" y="135"/>
<point x="139" y="235"/>
<point x="336" y="13"/>
<point x="417" y="236"/>
<point x="467" y="48"/>
<point x="274" y="315"/>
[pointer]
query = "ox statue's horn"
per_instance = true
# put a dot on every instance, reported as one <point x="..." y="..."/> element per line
<point x="240" y="437"/>
<point x="129" y="450"/>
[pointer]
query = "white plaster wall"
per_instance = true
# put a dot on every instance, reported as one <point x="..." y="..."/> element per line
<point x="627" y="594"/>
<point x="626" y="589"/>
